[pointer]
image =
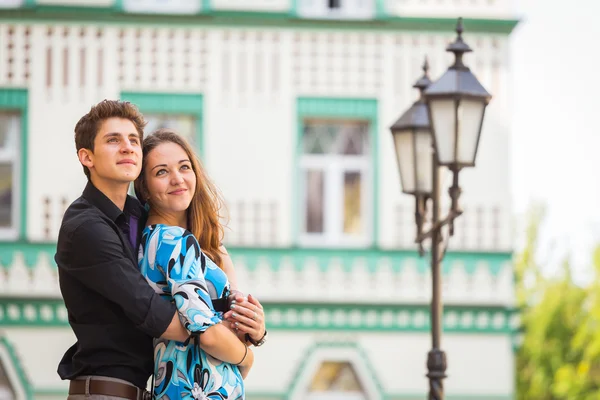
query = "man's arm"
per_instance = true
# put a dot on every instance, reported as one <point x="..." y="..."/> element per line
<point x="97" y="259"/>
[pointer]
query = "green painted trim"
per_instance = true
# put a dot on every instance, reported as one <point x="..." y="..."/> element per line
<point x="293" y="385"/>
<point x="253" y="19"/>
<point x="275" y="257"/>
<point x="19" y="312"/>
<point x="118" y="6"/>
<point x="338" y="108"/>
<point x="24" y="381"/>
<point x="18" y="99"/>
<point x="31" y="253"/>
<point x="293" y="8"/>
<point x="172" y="103"/>
<point x="394" y="318"/>
<point x="380" y="9"/>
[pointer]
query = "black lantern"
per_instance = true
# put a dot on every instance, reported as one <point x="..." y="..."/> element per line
<point x="456" y="104"/>
<point x="440" y="130"/>
<point x="413" y="143"/>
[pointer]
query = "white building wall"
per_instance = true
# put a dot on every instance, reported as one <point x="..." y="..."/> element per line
<point x="250" y="80"/>
<point x="250" y="85"/>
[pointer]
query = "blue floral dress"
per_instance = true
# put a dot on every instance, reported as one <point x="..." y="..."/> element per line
<point x="171" y="260"/>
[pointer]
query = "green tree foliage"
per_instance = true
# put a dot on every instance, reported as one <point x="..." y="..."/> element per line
<point x="559" y="355"/>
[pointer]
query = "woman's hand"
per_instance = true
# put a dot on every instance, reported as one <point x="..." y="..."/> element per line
<point x="246" y="315"/>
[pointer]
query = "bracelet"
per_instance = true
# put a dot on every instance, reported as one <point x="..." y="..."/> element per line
<point x="245" y="354"/>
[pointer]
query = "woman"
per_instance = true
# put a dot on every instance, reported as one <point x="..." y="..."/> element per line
<point x="183" y="218"/>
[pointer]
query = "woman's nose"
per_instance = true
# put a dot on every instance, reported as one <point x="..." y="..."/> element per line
<point x="177" y="178"/>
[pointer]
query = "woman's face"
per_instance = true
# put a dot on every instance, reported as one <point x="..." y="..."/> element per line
<point x="170" y="178"/>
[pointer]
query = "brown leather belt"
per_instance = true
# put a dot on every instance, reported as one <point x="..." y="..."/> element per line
<point x="105" y="388"/>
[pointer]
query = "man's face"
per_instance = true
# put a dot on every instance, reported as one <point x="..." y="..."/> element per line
<point x="117" y="155"/>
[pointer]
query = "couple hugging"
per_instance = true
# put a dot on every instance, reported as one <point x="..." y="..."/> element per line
<point x="149" y="288"/>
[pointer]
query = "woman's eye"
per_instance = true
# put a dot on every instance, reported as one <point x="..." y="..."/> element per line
<point x="161" y="172"/>
<point x="186" y="167"/>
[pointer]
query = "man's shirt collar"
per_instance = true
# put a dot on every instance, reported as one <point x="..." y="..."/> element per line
<point x="92" y="194"/>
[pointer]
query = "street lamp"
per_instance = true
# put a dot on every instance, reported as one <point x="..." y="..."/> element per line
<point x="413" y="143"/>
<point x="442" y="128"/>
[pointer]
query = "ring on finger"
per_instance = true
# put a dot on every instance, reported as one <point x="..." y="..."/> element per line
<point x="254" y="316"/>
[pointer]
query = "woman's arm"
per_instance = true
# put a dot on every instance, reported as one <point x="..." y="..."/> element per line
<point x="228" y="268"/>
<point x="222" y="344"/>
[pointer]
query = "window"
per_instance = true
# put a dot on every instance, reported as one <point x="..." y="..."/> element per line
<point x="163" y="6"/>
<point x="183" y="124"/>
<point x="10" y="128"/>
<point x="180" y="112"/>
<point x="337" y="9"/>
<point x="335" y="170"/>
<point x="336" y="381"/>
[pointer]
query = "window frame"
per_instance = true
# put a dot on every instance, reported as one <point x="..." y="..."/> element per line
<point x="323" y="11"/>
<point x="364" y="110"/>
<point x="172" y="104"/>
<point x="334" y="167"/>
<point x="12" y="232"/>
<point x="16" y="100"/>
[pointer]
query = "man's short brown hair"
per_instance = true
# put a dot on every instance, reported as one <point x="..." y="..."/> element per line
<point x="87" y="127"/>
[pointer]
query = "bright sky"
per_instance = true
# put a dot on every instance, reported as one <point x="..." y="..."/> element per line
<point x="556" y="135"/>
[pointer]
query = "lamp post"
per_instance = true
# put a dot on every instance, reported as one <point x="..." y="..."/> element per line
<point x="442" y="128"/>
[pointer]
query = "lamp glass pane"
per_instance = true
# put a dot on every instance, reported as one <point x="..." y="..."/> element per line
<point x="403" y="142"/>
<point x="470" y="113"/>
<point x="424" y="161"/>
<point x="443" y="120"/>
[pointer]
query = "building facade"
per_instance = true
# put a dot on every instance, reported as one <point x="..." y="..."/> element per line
<point x="288" y="103"/>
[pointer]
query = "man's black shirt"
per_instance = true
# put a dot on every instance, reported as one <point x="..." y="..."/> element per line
<point x="113" y="311"/>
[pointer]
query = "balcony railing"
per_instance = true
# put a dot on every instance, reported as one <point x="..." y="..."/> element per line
<point x="308" y="275"/>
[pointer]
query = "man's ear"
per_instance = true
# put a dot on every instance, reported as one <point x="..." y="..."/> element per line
<point x="86" y="157"/>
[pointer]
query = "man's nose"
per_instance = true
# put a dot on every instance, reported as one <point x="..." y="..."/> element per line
<point x="127" y="147"/>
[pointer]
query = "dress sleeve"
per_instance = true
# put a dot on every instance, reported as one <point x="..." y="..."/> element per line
<point x="184" y="265"/>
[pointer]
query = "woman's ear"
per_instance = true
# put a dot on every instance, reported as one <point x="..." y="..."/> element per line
<point x="86" y="157"/>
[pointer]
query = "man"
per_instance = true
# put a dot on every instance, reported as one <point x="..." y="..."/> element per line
<point x="113" y="311"/>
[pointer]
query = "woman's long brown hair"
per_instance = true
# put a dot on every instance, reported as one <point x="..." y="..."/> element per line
<point x="203" y="211"/>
